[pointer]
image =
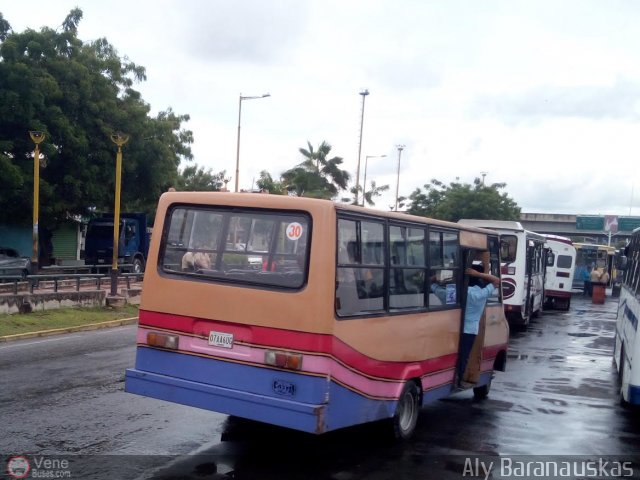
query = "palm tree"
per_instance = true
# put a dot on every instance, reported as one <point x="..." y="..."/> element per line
<point x="372" y="192"/>
<point x="317" y="176"/>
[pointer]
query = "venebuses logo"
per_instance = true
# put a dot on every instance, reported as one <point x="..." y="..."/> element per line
<point x="18" y="467"/>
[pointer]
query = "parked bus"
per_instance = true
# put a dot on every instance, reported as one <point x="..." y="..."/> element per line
<point x="561" y="260"/>
<point x="627" y="347"/>
<point x="337" y="327"/>
<point x="523" y="268"/>
<point x="590" y="256"/>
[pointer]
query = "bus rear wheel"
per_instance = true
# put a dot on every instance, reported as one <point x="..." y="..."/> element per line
<point x="482" y="392"/>
<point x="406" y="417"/>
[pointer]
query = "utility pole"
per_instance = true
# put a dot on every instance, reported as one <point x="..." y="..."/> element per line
<point x="400" y="148"/>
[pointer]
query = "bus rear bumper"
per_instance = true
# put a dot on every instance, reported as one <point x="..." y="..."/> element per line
<point x="557" y="293"/>
<point x="277" y="411"/>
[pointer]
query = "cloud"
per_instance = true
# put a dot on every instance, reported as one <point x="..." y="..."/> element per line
<point x="244" y="30"/>
<point x="617" y="101"/>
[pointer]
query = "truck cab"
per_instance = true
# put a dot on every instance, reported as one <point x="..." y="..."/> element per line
<point x="133" y="243"/>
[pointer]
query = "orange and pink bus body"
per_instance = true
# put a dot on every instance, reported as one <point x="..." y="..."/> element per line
<point x="305" y="313"/>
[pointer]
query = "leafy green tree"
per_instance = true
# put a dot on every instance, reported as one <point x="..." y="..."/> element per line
<point x="268" y="184"/>
<point x="462" y="200"/>
<point x="317" y="176"/>
<point x="196" y="179"/>
<point x="78" y="94"/>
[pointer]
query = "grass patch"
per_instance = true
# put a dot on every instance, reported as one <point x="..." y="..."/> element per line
<point x="62" y="318"/>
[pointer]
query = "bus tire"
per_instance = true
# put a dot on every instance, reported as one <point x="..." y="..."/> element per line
<point x="482" y="392"/>
<point x="623" y="402"/>
<point x="533" y="313"/>
<point x="405" y="419"/>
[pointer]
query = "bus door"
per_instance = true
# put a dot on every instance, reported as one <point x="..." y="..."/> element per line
<point x="493" y="315"/>
<point x="474" y="363"/>
<point x="528" y="305"/>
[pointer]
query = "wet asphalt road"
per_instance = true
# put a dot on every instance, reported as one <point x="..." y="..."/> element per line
<point x="63" y="397"/>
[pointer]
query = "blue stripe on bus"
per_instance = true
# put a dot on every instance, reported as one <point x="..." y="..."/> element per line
<point x="631" y="316"/>
<point x="236" y="376"/>
<point x="249" y="393"/>
<point x="634" y="394"/>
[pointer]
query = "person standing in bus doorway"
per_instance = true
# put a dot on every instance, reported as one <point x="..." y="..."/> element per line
<point x="481" y="287"/>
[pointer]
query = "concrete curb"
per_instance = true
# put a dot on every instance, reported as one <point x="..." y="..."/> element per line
<point x="79" y="328"/>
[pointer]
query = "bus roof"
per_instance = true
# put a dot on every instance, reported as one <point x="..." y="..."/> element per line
<point x="264" y="200"/>
<point x="493" y="224"/>
<point x="558" y="238"/>
<point x="595" y="246"/>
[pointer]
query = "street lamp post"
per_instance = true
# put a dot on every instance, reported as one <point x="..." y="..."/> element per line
<point x="364" y="94"/>
<point x="37" y="138"/>
<point x="241" y="98"/>
<point x="364" y="183"/>
<point x="119" y="139"/>
<point x="400" y="148"/>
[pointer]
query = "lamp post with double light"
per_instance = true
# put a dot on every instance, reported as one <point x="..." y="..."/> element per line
<point x="364" y="183"/>
<point x="241" y="98"/>
<point x="400" y="148"/>
<point x="119" y="139"/>
<point x="37" y="138"/>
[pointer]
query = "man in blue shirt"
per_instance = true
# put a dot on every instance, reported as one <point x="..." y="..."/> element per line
<point x="481" y="287"/>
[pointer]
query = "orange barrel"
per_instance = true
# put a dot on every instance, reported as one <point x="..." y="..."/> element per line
<point x="598" y="293"/>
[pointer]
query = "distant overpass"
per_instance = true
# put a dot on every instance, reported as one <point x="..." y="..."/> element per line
<point x="583" y="228"/>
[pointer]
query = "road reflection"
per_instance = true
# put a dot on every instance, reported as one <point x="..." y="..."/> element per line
<point x="558" y="397"/>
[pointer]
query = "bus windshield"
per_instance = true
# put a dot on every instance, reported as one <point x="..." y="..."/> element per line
<point x="255" y="247"/>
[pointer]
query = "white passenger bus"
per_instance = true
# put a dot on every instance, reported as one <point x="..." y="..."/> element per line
<point x="627" y="348"/>
<point x="561" y="262"/>
<point x="522" y="267"/>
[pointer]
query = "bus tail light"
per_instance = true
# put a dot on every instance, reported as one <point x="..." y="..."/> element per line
<point x="508" y="270"/>
<point x="291" y="361"/>
<point x="163" y="340"/>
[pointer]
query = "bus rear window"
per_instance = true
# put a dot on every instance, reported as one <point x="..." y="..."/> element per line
<point x="508" y="248"/>
<point x="251" y="247"/>
<point x="564" y="261"/>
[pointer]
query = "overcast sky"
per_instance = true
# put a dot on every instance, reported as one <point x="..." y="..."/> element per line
<point x="542" y="95"/>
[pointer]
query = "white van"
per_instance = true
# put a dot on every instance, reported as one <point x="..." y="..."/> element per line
<point x="561" y="262"/>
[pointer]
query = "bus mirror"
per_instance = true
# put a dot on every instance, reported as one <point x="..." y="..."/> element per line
<point x="551" y="258"/>
<point x="621" y="263"/>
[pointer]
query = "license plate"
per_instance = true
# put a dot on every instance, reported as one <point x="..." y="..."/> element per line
<point x="220" y="339"/>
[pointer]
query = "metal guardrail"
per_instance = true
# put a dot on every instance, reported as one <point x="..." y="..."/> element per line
<point x="34" y="281"/>
<point x="12" y="279"/>
<point x="97" y="268"/>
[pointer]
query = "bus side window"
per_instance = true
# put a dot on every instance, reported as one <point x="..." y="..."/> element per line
<point x="444" y="269"/>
